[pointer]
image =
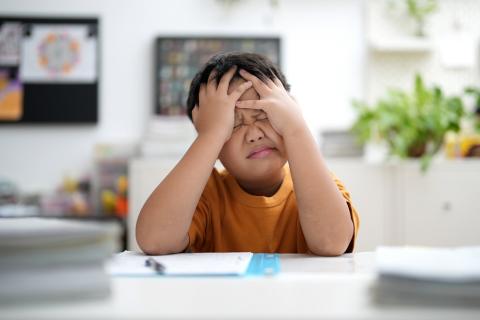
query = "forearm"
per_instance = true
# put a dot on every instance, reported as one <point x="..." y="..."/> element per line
<point x="323" y="212"/>
<point x="163" y="223"/>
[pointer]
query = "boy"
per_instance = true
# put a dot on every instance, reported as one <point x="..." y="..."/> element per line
<point x="244" y="116"/>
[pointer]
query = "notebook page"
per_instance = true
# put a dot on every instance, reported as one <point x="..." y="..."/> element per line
<point x="130" y="263"/>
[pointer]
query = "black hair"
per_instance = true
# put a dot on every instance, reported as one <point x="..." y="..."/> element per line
<point x="256" y="64"/>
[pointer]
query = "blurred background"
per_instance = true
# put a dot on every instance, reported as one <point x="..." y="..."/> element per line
<point x="92" y="98"/>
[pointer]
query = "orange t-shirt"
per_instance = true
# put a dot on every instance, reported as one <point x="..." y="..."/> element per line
<point x="229" y="219"/>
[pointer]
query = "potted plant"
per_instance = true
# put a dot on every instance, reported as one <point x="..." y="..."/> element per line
<point x="413" y="124"/>
<point x="418" y="10"/>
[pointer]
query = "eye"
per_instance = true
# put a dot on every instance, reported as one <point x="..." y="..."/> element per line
<point x="262" y="116"/>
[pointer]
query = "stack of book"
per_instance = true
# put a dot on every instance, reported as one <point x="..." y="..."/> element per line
<point x="53" y="259"/>
<point x="167" y="137"/>
<point x="428" y="276"/>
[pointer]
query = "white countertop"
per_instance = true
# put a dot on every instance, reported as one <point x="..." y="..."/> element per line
<point x="307" y="288"/>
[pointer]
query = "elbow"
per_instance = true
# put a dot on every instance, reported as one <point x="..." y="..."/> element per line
<point x="158" y="248"/>
<point x="147" y="239"/>
<point x="333" y="245"/>
<point x="153" y="250"/>
<point x="326" y="252"/>
<point x="153" y="239"/>
<point x="155" y="244"/>
<point x="329" y="247"/>
<point x="148" y="246"/>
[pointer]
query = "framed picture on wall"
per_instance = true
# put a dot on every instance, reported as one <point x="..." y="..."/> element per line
<point x="178" y="59"/>
<point x="48" y="70"/>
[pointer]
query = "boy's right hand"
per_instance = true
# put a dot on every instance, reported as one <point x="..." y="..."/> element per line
<point x="216" y="111"/>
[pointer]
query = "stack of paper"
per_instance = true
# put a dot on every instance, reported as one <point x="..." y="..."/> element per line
<point x="422" y="275"/>
<point x="45" y="259"/>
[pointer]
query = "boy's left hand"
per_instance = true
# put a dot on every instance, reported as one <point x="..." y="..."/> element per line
<point x="282" y="110"/>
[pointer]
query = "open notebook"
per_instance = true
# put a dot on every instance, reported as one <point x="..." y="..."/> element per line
<point x="129" y="263"/>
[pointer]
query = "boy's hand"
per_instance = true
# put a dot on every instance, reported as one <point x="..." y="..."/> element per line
<point x="283" y="112"/>
<point x="216" y="113"/>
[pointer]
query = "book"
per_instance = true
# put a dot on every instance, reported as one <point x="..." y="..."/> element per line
<point x="45" y="259"/>
<point x="428" y="276"/>
<point x="54" y="282"/>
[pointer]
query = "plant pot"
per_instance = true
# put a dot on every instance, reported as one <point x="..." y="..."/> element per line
<point x="417" y="150"/>
<point x="420" y="28"/>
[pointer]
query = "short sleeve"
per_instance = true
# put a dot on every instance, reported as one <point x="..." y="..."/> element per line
<point x="199" y="233"/>
<point x="353" y="213"/>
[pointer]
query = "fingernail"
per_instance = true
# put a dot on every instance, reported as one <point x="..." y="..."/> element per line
<point x="249" y="83"/>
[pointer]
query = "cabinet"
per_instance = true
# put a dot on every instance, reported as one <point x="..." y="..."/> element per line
<point x="441" y="207"/>
<point x="400" y="205"/>
<point x="397" y="204"/>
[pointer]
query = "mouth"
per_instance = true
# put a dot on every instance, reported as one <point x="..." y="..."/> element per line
<point x="260" y="153"/>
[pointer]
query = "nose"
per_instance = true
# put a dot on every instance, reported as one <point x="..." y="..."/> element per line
<point x="254" y="133"/>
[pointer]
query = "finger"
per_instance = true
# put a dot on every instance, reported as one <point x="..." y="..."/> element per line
<point x="212" y="83"/>
<point x="251" y="104"/>
<point x="258" y="84"/>
<point x="278" y="83"/>
<point x="270" y="83"/>
<point x="226" y="78"/>
<point x="237" y="93"/>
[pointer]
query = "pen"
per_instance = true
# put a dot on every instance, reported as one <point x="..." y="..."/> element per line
<point x="155" y="265"/>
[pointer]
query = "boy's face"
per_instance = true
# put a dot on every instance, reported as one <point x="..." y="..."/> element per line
<point x="255" y="151"/>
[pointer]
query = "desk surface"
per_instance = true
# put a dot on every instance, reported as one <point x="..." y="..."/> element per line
<point x="307" y="288"/>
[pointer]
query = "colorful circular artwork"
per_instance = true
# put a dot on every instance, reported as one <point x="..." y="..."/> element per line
<point x="58" y="53"/>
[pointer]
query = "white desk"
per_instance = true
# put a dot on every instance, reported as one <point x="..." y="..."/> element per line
<point x="308" y="288"/>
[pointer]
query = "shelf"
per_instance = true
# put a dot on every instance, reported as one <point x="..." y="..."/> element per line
<point x="400" y="45"/>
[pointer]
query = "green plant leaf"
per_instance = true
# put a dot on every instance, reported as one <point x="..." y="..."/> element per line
<point x="410" y="122"/>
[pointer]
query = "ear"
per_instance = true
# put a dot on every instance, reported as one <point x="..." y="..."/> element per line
<point x="195" y="116"/>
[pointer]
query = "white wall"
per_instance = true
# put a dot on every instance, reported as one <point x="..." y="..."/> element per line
<point x="323" y="59"/>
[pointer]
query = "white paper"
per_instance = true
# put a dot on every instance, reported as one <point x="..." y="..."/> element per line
<point x="130" y="263"/>
<point x="57" y="53"/>
<point x="10" y="38"/>
<point x="461" y="264"/>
